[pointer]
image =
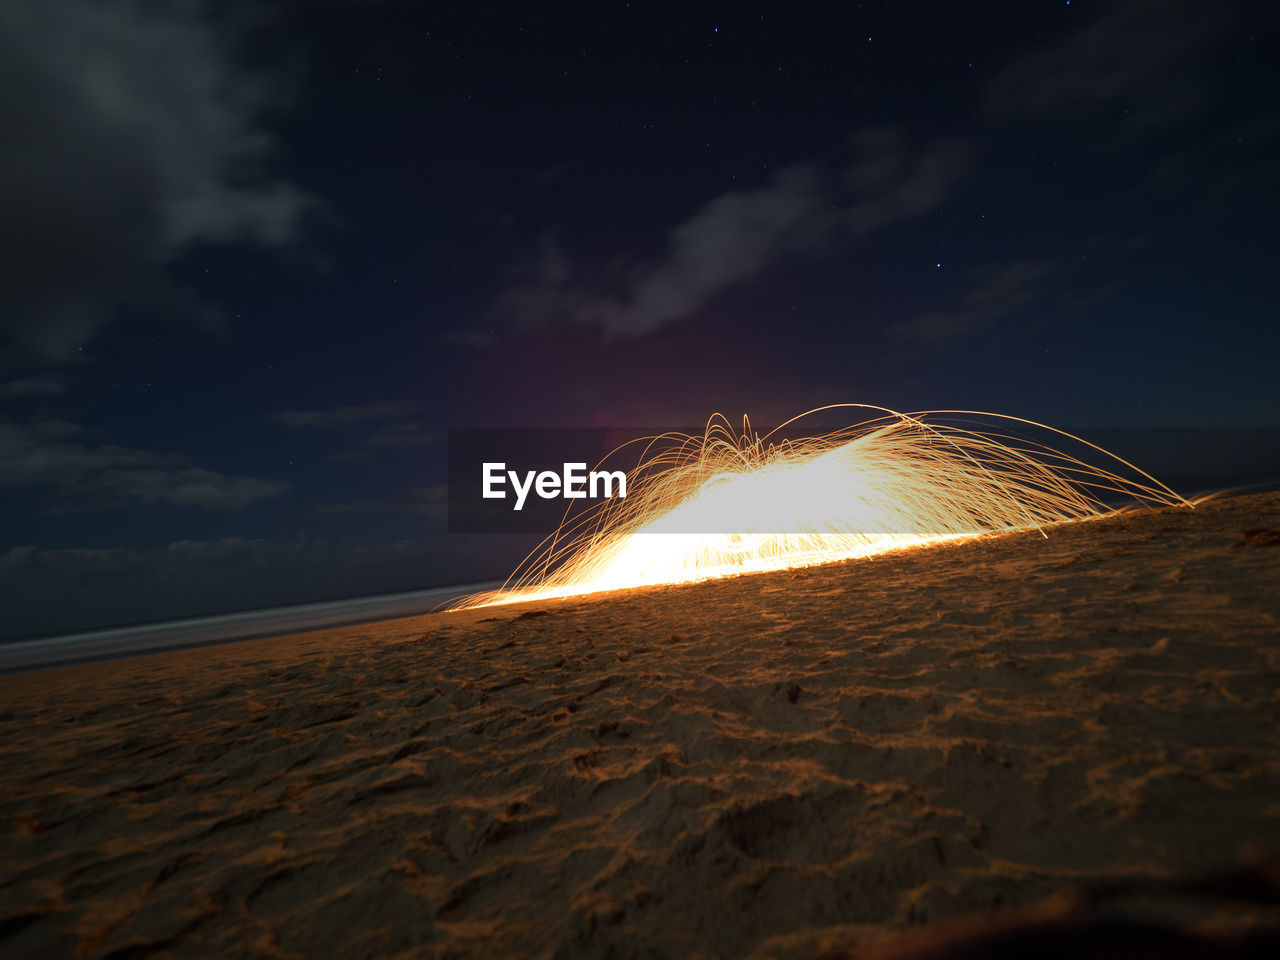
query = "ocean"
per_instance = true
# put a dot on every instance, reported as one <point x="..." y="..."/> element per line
<point x="132" y="641"/>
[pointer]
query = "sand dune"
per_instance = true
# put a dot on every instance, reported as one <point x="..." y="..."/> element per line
<point x="775" y="765"/>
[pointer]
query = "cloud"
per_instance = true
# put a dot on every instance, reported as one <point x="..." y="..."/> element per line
<point x="33" y="387"/>
<point x="1139" y="64"/>
<point x="403" y="435"/>
<point x="430" y="502"/>
<point x="399" y="435"/>
<point x="348" y="415"/>
<point x="732" y="238"/>
<point x="131" y="134"/>
<point x="54" y="454"/>
<point x="802" y="211"/>
<point x="191" y="487"/>
<point x="997" y="292"/>
<point x="388" y="425"/>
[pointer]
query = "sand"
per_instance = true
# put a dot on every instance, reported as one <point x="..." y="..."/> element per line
<point x="778" y="765"/>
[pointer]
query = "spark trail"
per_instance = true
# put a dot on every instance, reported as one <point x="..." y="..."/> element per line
<point x="732" y="501"/>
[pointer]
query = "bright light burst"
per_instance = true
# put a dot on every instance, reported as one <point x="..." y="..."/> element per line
<point x="731" y="502"/>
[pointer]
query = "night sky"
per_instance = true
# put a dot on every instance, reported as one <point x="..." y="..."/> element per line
<point x="255" y="264"/>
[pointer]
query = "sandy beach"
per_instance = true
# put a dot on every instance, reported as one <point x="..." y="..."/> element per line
<point x="778" y="765"/>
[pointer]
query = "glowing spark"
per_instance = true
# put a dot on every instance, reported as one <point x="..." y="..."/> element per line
<point x="728" y="503"/>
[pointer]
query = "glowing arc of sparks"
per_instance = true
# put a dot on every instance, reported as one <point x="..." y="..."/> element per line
<point x="733" y="502"/>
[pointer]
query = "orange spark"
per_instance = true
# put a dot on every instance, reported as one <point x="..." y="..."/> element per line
<point x="730" y="502"/>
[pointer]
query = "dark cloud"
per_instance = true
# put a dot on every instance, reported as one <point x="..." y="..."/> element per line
<point x="403" y="435"/>
<point x="1139" y="66"/>
<point x="997" y="291"/>
<point x="33" y="387"/>
<point x="385" y="427"/>
<point x="347" y="415"/>
<point x="387" y="442"/>
<point x="802" y="211"/>
<point x="56" y="455"/>
<point x="430" y="502"/>
<point x="129" y="134"/>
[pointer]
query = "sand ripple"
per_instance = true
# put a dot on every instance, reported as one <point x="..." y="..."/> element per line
<point x="771" y="766"/>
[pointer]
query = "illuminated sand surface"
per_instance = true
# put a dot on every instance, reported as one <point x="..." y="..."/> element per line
<point x="771" y="765"/>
